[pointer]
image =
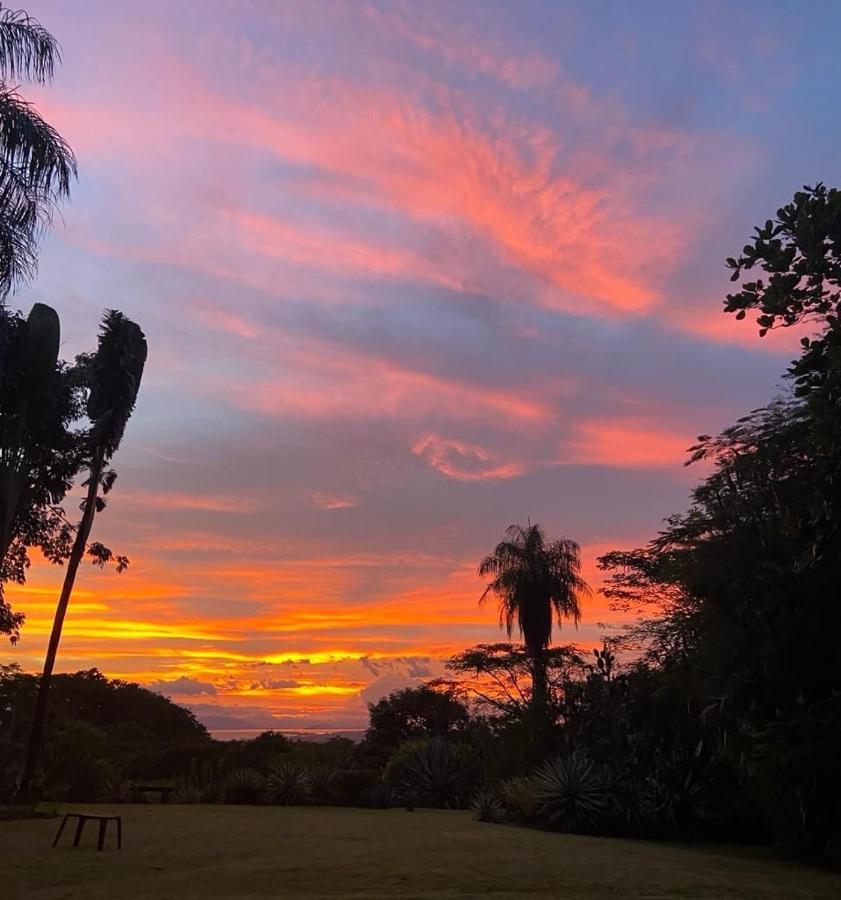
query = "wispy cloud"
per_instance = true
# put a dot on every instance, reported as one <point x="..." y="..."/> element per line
<point x="409" y="271"/>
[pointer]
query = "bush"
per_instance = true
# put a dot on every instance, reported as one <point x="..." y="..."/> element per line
<point x="76" y="766"/>
<point x="436" y="772"/>
<point x="289" y="785"/>
<point x="203" y="785"/>
<point x="518" y="798"/>
<point x="324" y="784"/>
<point x="354" y="786"/>
<point x="382" y="796"/>
<point x="487" y="807"/>
<point x="680" y="792"/>
<point x="571" y="794"/>
<point x="244" y="785"/>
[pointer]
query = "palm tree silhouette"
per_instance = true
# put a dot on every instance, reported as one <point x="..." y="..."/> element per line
<point x="115" y="373"/>
<point x="535" y="580"/>
<point x="36" y="164"/>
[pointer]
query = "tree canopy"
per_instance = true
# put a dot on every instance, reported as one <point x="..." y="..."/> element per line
<point x="36" y="164"/>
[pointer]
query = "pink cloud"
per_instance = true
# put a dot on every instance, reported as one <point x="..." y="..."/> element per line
<point x="326" y="380"/>
<point x="322" y="500"/>
<point x="567" y="219"/>
<point x="463" y="461"/>
<point x="180" y="500"/>
<point x="625" y="442"/>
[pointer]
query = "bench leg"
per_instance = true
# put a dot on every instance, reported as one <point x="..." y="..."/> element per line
<point x="61" y="828"/>
<point x="119" y="834"/>
<point x="102" y="826"/>
<point x="79" y="828"/>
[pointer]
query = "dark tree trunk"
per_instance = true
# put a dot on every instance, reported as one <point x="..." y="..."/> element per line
<point x="539" y="707"/>
<point x="33" y="751"/>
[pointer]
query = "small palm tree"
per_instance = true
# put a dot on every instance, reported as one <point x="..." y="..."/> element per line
<point x="535" y="580"/>
<point x="115" y="372"/>
<point x="36" y="164"/>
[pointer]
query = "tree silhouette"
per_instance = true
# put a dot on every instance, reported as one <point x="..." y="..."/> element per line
<point x="535" y="580"/>
<point x="36" y="164"/>
<point x="115" y="373"/>
<point x="39" y="452"/>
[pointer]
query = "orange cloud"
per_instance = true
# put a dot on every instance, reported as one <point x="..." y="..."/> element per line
<point x="282" y="654"/>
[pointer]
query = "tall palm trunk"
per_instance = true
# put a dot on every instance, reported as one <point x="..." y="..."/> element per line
<point x="539" y="689"/>
<point x="35" y="737"/>
<point x="540" y="726"/>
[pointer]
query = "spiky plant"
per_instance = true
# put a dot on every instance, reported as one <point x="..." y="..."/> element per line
<point x="438" y="774"/>
<point x="288" y="784"/>
<point x="324" y="784"/>
<point x="487" y="807"/>
<point x="203" y="785"/>
<point x="244" y="785"/>
<point x="571" y="793"/>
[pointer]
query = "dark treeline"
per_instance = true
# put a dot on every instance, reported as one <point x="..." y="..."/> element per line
<point x="717" y="716"/>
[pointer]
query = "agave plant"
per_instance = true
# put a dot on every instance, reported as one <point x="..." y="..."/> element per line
<point x="438" y="773"/>
<point x="487" y="807"/>
<point x="571" y="793"/>
<point x="289" y="784"/>
<point x="202" y="785"/>
<point x="244" y="785"/>
<point x="679" y="792"/>
<point x="634" y="808"/>
<point x="324" y="784"/>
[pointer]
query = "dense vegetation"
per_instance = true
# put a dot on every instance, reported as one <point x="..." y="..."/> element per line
<point x="718" y="716"/>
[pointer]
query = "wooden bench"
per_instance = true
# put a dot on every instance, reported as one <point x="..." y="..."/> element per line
<point x="140" y="791"/>
<point x="103" y="825"/>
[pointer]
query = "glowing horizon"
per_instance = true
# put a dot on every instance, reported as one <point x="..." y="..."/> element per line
<point x="409" y="272"/>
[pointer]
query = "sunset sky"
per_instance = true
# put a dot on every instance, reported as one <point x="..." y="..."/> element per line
<point x="409" y="272"/>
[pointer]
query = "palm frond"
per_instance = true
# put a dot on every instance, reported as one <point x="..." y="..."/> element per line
<point x="36" y="169"/>
<point x="116" y="370"/>
<point x="532" y="577"/>
<point x="18" y="255"/>
<point x="27" y="50"/>
<point x="34" y="147"/>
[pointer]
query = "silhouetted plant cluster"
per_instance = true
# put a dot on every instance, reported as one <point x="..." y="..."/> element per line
<point x="726" y="722"/>
<point x="717" y="716"/>
<point x="102" y="734"/>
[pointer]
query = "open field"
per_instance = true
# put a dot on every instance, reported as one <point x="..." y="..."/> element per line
<point x="236" y="851"/>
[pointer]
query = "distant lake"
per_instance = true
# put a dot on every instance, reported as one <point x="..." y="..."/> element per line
<point x="303" y="734"/>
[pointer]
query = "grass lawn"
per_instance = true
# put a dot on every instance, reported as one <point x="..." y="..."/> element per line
<point x="246" y="851"/>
